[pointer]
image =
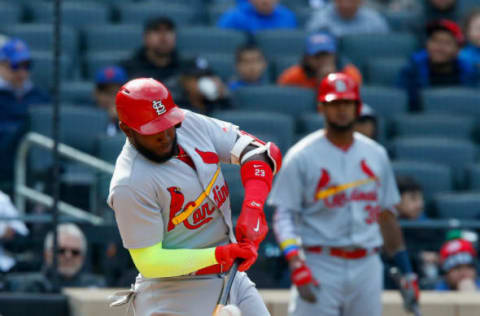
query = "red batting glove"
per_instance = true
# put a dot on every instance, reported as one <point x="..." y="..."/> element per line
<point x="227" y="254"/>
<point x="302" y="275"/>
<point x="251" y="224"/>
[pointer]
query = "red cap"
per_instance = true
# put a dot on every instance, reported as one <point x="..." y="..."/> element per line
<point x="339" y="86"/>
<point x="146" y="106"/>
<point x="449" y="26"/>
<point x="456" y="252"/>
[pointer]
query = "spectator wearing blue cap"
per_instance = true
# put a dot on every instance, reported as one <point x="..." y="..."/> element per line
<point x="17" y="94"/>
<point x="108" y="81"/>
<point x="344" y="17"/>
<point x="257" y="15"/>
<point x="319" y="59"/>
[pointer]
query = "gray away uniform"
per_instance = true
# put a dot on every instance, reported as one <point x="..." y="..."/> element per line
<point x="146" y="196"/>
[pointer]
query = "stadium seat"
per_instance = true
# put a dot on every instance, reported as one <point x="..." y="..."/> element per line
<point x="384" y="71"/>
<point x="79" y="128"/>
<point x="216" y="10"/>
<point x="462" y="205"/>
<point x="362" y="48"/>
<point x="42" y="68"/>
<point x="288" y="100"/>
<point x="432" y="177"/>
<point x="95" y="61"/>
<point x="113" y="37"/>
<point x="285" y="62"/>
<point x="458" y="101"/>
<point x="74" y="13"/>
<point x="22" y="304"/>
<point x="427" y="125"/>
<point x="208" y="40"/>
<point x="404" y="21"/>
<point x="39" y="37"/>
<point x="473" y="176"/>
<point x="267" y="126"/>
<point x="77" y="92"/>
<point x="387" y="102"/>
<point x="275" y="43"/>
<point x="222" y="65"/>
<point x="310" y="122"/>
<point x="139" y="13"/>
<point x="10" y="13"/>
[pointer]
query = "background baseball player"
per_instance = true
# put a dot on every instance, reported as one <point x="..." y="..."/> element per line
<point x="172" y="204"/>
<point x="334" y="200"/>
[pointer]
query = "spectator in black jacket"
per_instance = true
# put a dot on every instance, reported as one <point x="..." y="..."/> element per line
<point x="158" y="57"/>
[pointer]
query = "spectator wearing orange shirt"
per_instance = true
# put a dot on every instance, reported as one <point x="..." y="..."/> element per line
<point x="319" y="60"/>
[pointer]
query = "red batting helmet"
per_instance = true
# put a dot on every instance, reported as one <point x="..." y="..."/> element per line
<point x="146" y="106"/>
<point x="339" y="86"/>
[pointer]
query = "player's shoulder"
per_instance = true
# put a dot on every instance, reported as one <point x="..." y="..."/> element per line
<point x="370" y="145"/>
<point x="306" y="144"/>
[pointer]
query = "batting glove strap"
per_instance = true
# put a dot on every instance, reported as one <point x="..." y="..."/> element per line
<point x="302" y="276"/>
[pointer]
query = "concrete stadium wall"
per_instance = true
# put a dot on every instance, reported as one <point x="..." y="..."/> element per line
<point x="85" y="302"/>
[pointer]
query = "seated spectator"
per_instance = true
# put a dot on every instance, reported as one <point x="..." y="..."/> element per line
<point x="366" y="123"/>
<point x="258" y="15"/>
<point x="458" y="261"/>
<point x="158" y="57"/>
<point x="319" y="59"/>
<point x="471" y="52"/>
<point x="441" y="9"/>
<point x="72" y="250"/>
<point x="439" y="64"/>
<point x="251" y="67"/>
<point x="412" y="203"/>
<point x="9" y="230"/>
<point x="202" y="90"/>
<point x="343" y="17"/>
<point x="17" y="94"/>
<point x="108" y="81"/>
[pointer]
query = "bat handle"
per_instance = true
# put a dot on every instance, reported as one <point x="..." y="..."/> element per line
<point x="233" y="271"/>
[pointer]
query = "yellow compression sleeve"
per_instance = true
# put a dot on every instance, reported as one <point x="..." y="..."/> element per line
<point x="157" y="262"/>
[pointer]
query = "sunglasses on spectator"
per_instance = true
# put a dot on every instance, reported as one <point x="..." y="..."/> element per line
<point x="26" y="65"/>
<point x="74" y="252"/>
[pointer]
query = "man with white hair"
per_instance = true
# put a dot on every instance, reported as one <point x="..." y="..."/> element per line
<point x="72" y="249"/>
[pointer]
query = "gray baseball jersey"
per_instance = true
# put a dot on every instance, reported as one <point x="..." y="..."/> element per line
<point x="335" y="195"/>
<point x="148" y="197"/>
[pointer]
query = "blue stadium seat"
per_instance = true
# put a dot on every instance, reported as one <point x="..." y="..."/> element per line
<point x="77" y="92"/>
<point x="40" y="37"/>
<point x="473" y="176"/>
<point x="404" y="21"/>
<point x="267" y="126"/>
<point x="433" y="178"/>
<point x="288" y="100"/>
<point x="139" y="13"/>
<point x="74" y="13"/>
<point x="462" y="205"/>
<point x="427" y="125"/>
<point x="283" y="63"/>
<point x="95" y="61"/>
<point x="208" y="40"/>
<point x="458" y="101"/>
<point x="275" y="43"/>
<point x="310" y="122"/>
<point x="113" y="37"/>
<point x="384" y="71"/>
<point x="79" y="128"/>
<point x="222" y="65"/>
<point x="362" y="48"/>
<point x="42" y="69"/>
<point x="10" y="13"/>
<point x="216" y="10"/>
<point x="387" y="102"/>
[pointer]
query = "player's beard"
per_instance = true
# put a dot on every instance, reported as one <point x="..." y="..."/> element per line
<point x="152" y="156"/>
<point x="341" y="128"/>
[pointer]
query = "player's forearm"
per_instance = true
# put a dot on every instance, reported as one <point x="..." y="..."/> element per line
<point x="285" y="234"/>
<point x="391" y="232"/>
<point x="157" y="262"/>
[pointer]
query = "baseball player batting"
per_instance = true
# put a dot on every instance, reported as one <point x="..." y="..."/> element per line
<point x="172" y="204"/>
<point x="335" y="199"/>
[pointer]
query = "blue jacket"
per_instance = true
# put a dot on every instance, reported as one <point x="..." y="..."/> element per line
<point x="472" y="54"/>
<point x="416" y="76"/>
<point x="443" y="286"/>
<point x="245" y="18"/>
<point x="15" y="110"/>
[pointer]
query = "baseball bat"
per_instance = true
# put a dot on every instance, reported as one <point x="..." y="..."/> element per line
<point x="397" y="277"/>
<point x="222" y="301"/>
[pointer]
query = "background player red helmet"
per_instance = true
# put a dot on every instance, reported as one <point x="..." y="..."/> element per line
<point x="339" y="86"/>
<point x="455" y="252"/>
<point x="146" y="106"/>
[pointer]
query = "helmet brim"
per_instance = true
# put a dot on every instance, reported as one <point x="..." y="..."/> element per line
<point x="339" y="96"/>
<point x="173" y="117"/>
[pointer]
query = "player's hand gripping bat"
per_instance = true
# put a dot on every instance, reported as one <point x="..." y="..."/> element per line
<point x="408" y="296"/>
<point x="222" y="300"/>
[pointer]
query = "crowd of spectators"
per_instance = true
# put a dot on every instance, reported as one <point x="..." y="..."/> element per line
<point x="450" y="56"/>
